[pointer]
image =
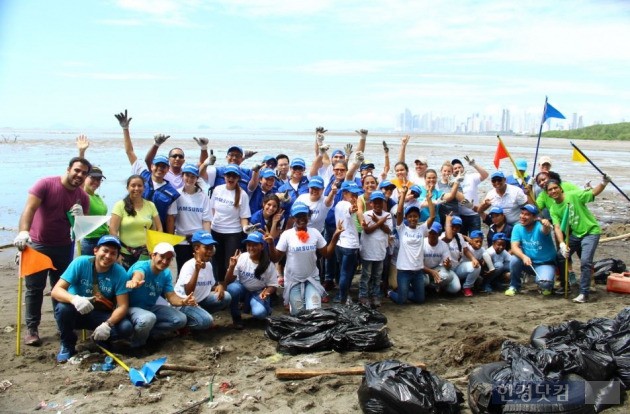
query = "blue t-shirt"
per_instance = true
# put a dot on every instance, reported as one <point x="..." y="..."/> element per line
<point x="79" y="275"/>
<point x="537" y="245"/>
<point x="256" y="199"/>
<point x="424" y="212"/>
<point x="155" y="285"/>
<point x="245" y="173"/>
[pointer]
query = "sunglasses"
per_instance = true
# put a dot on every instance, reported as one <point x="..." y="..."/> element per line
<point x="180" y="156"/>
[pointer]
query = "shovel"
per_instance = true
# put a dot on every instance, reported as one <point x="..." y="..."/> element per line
<point x="142" y="376"/>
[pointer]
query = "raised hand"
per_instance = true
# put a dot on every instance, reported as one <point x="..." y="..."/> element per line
<point x="202" y="142"/>
<point x="257" y="167"/>
<point x="348" y="149"/>
<point x="319" y="135"/>
<point x="82" y="143"/>
<point x="278" y="216"/>
<point x="405" y="140"/>
<point x="359" y="157"/>
<point x="385" y="147"/>
<point x="362" y="132"/>
<point x="251" y="228"/>
<point x="340" y="228"/>
<point x="159" y="139"/>
<point x="123" y="120"/>
<point x="211" y="158"/>
<point x="248" y="154"/>
<point x="470" y="160"/>
<point x="234" y="258"/>
<point x="323" y="149"/>
<point x="284" y="197"/>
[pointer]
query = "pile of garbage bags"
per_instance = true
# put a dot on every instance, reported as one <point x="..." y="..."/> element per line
<point x="596" y="353"/>
<point x="340" y="328"/>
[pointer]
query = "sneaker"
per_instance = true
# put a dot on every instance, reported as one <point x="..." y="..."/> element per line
<point x="32" y="338"/>
<point x="349" y="301"/>
<point x="560" y="290"/>
<point x="325" y="299"/>
<point x="546" y="292"/>
<point x="65" y="353"/>
<point x="511" y="291"/>
<point x="468" y="292"/>
<point x="376" y="301"/>
<point x="581" y="298"/>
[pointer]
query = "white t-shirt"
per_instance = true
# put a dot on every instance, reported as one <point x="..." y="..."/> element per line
<point x="176" y="180"/>
<point x="499" y="260"/>
<point x="318" y="209"/>
<point x="511" y="202"/>
<point x="477" y="254"/>
<point x="374" y="245"/>
<point x="470" y="188"/>
<point x="456" y="254"/>
<point x="327" y="173"/>
<point x="410" y="255"/>
<point x="227" y="218"/>
<point x="205" y="280"/>
<point x="191" y="210"/>
<point x="435" y="256"/>
<point x="245" y="273"/>
<point x="301" y="256"/>
<point x="349" y="238"/>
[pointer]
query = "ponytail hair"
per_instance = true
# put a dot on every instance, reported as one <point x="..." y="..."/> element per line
<point x="237" y="196"/>
<point x="263" y="263"/>
<point x="129" y="209"/>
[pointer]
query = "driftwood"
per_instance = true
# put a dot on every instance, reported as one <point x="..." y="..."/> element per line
<point x="620" y="237"/>
<point x="184" y="368"/>
<point x="303" y="373"/>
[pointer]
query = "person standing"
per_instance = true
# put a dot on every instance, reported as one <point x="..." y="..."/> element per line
<point x="470" y="219"/>
<point x="45" y="226"/>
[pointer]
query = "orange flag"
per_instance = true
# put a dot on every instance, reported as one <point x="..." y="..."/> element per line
<point x="33" y="261"/>
<point x="500" y="154"/>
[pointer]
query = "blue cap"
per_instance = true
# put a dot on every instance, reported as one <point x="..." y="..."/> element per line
<point x="203" y="237"/>
<point x="267" y="173"/>
<point x="476" y="234"/>
<point x="386" y="183"/>
<point x="521" y="164"/>
<point x="270" y="159"/>
<point x="298" y="162"/>
<point x="531" y="208"/>
<point x="495" y="210"/>
<point x="255" y="237"/>
<point x="316" y="182"/>
<point x="108" y="239"/>
<point x="412" y="208"/>
<point x="232" y="169"/>
<point x="191" y="169"/>
<point x="367" y="165"/>
<point x="436" y="227"/>
<point x="498" y="236"/>
<point x="377" y="195"/>
<point x="338" y="152"/>
<point x="235" y="148"/>
<point x="160" y="159"/>
<point x="457" y="221"/>
<point x="299" y="208"/>
<point x="416" y="189"/>
<point x="497" y="174"/>
<point x="350" y="186"/>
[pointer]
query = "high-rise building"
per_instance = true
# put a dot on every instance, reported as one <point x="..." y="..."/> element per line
<point x="574" y="121"/>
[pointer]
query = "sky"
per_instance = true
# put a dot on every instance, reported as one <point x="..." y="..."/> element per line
<point x="293" y="65"/>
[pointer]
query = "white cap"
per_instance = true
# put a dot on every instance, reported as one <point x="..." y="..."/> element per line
<point x="544" y="160"/>
<point x="163" y="248"/>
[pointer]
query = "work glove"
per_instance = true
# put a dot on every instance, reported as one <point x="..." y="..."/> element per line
<point x="159" y="139"/>
<point x="606" y="179"/>
<point x="470" y="160"/>
<point x="102" y="332"/>
<point x="76" y="210"/>
<point x="531" y="181"/>
<point x="257" y="167"/>
<point x="323" y="149"/>
<point x="359" y="157"/>
<point x="211" y="158"/>
<point x="348" y="149"/>
<point x="362" y="132"/>
<point x="21" y="240"/>
<point x="202" y="142"/>
<point x="250" y="228"/>
<point x="284" y="197"/>
<point x="385" y="147"/>
<point x="319" y="133"/>
<point x="564" y="250"/>
<point x="82" y="304"/>
<point x="123" y="120"/>
<point x="249" y="154"/>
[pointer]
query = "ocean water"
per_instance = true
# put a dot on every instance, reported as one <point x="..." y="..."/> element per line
<point x="38" y="153"/>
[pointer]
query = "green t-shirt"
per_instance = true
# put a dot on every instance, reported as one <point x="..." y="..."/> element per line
<point x="581" y="220"/>
<point x="544" y="201"/>
<point x="132" y="231"/>
<point x="98" y="208"/>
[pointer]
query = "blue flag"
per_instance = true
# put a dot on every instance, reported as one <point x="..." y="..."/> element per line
<point x="551" y="112"/>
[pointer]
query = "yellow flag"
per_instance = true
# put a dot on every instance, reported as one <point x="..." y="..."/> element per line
<point x="577" y="156"/>
<point x="155" y="237"/>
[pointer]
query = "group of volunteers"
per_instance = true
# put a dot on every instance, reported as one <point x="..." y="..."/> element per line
<point x="288" y="225"/>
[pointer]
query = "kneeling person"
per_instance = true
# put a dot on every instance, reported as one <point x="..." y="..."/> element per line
<point x="91" y="294"/>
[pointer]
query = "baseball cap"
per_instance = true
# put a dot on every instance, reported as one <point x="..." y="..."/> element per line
<point x="316" y="182"/>
<point x="436" y="227"/>
<point x="109" y="239"/>
<point x="267" y="173"/>
<point x="456" y="161"/>
<point x="337" y="152"/>
<point x="298" y="162"/>
<point x="495" y="210"/>
<point x="96" y="172"/>
<point x="255" y="237"/>
<point x="203" y="237"/>
<point x="299" y="208"/>
<point x="191" y="169"/>
<point x="416" y="189"/>
<point x="235" y="148"/>
<point x="367" y="165"/>
<point x="545" y="160"/>
<point x="350" y="186"/>
<point x="531" y="208"/>
<point x="232" y="169"/>
<point x="457" y="221"/>
<point x="270" y="159"/>
<point x="385" y="184"/>
<point x="521" y="164"/>
<point x="163" y="248"/>
<point x="421" y="160"/>
<point x="476" y="234"/>
<point x="377" y="195"/>
<point x="499" y="236"/>
<point x="160" y="159"/>
<point x="412" y="208"/>
<point x="497" y="174"/>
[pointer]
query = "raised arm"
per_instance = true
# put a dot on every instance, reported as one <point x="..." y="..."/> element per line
<point x="386" y="163"/>
<point x="482" y="171"/>
<point x="82" y="145"/>
<point x="124" y="121"/>
<point x="403" y="148"/>
<point x="362" y="139"/>
<point x="401" y="206"/>
<point x="158" y="140"/>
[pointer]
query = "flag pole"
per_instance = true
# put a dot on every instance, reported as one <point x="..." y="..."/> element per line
<point x="19" y="309"/>
<point x="566" y="260"/>
<point x="598" y="170"/>
<point x="542" y="122"/>
<point x="518" y="172"/>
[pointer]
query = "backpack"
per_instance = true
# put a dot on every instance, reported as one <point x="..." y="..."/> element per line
<point x="604" y="267"/>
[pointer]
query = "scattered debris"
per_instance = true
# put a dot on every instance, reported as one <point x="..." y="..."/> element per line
<point x="5" y="384"/>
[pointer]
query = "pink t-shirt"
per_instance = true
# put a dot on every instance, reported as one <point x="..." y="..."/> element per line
<point x="51" y="226"/>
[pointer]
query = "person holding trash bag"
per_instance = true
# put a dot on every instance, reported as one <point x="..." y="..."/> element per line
<point x="91" y="294"/>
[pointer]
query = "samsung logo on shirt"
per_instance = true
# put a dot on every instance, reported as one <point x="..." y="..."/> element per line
<point x="191" y="209"/>
<point x="204" y="283"/>
<point x="224" y="201"/>
<point x="305" y="248"/>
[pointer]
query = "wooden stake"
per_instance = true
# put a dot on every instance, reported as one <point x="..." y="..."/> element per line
<point x="303" y="373"/>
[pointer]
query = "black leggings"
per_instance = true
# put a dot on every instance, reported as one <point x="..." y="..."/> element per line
<point x="227" y="244"/>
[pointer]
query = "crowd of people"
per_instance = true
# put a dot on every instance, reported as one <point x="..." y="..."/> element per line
<point x="283" y="224"/>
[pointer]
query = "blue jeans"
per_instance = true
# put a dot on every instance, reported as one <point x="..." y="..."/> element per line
<point x="545" y="273"/>
<point x="409" y="278"/>
<point x="200" y="317"/>
<point x="347" y="259"/>
<point x="158" y="319"/>
<point x="331" y="264"/>
<point x="68" y="319"/>
<point x="470" y="223"/>
<point x="370" y="283"/>
<point x="467" y="274"/>
<point x="449" y="280"/>
<point x="259" y="308"/>
<point x="88" y="245"/>
<point x="585" y="248"/>
<point x="61" y="257"/>
<point x="304" y="296"/>
<point x="494" y="278"/>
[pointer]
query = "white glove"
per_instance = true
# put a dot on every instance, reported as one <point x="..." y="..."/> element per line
<point x="348" y="149"/>
<point x="564" y="250"/>
<point x="323" y="149"/>
<point x="531" y="181"/>
<point x="102" y="332"/>
<point x="159" y="139"/>
<point x="460" y="177"/>
<point x="76" y="210"/>
<point x="519" y="180"/>
<point x="469" y="160"/>
<point x="250" y="228"/>
<point x="606" y="179"/>
<point x="211" y="158"/>
<point x="257" y="167"/>
<point x="248" y="154"/>
<point x="21" y="240"/>
<point x="202" y="142"/>
<point x="319" y="134"/>
<point x="82" y="304"/>
<point x="359" y="157"/>
<point x="362" y="132"/>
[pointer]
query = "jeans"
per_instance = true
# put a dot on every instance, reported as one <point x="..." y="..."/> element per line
<point x="347" y="259"/>
<point x="226" y="245"/>
<point x="159" y="319"/>
<point x="494" y="278"/>
<point x="407" y="278"/>
<point x="467" y="274"/>
<point x="370" y="283"/>
<point x="259" y="308"/>
<point x="88" y="245"/>
<point x="61" y="257"/>
<point x="68" y="319"/>
<point x="200" y="317"/>
<point x="470" y="223"/>
<point x="449" y="280"/>
<point x="585" y="248"/>
<point x="304" y="296"/>
<point x="331" y="265"/>
<point x="545" y="273"/>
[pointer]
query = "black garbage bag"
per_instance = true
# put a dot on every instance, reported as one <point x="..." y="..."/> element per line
<point x="623" y="369"/>
<point x="357" y="314"/>
<point x="393" y="387"/>
<point x="607" y="394"/>
<point x="295" y="343"/>
<point x="371" y="337"/>
<point x="623" y="320"/>
<point x="544" y="336"/>
<point x="603" y="268"/>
